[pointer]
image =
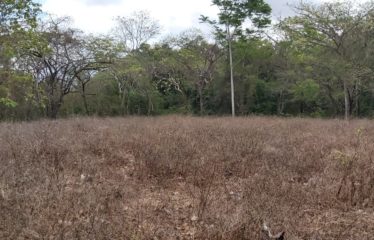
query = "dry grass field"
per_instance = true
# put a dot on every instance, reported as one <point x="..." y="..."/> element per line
<point x="186" y="178"/>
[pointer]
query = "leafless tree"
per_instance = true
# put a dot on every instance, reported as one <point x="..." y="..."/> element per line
<point x="136" y="29"/>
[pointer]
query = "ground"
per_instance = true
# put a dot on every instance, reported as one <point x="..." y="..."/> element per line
<point x="186" y="178"/>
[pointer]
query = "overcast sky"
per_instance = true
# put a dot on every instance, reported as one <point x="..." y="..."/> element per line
<point x="96" y="16"/>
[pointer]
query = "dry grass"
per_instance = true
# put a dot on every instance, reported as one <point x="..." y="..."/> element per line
<point x="186" y="178"/>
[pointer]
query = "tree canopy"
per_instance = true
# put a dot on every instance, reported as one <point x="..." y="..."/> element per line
<point x="318" y="63"/>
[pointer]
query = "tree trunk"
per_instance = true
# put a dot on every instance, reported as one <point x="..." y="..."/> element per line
<point x="53" y="109"/>
<point x="201" y="100"/>
<point x="122" y="103"/>
<point x="38" y="99"/>
<point x="347" y="102"/>
<point x="83" y="94"/>
<point x="357" y="99"/>
<point x="150" y="107"/>
<point x="280" y="105"/>
<point x="128" y="103"/>
<point x="231" y="72"/>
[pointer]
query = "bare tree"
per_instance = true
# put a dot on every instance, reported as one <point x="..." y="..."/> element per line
<point x="136" y="29"/>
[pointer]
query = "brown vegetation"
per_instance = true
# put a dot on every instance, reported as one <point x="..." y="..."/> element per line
<point x="186" y="178"/>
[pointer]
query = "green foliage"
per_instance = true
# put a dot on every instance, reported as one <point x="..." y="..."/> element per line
<point x="8" y="102"/>
<point x="264" y="101"/>
<point x="306" y="91"/>
<point x="311" y="69"/>
<point x="17" y="20"/>
<point x="233" y="13"/>
<point x="17" y="14"/>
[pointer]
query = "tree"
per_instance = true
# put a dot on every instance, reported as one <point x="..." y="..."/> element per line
<point x="104" y="51"/>
<point x="56" y="58"/>
<point x="336" y="27"/>
<point x="232" y="15"/>
<point x="199" y="59"/>
<point x="16" y="17"/>
<point x="127" y="72"/>
<point x="162" y="62"/>
<point x="252" y="64"/>
<point x="132" y="31"/>
<point x="305" y="92"/>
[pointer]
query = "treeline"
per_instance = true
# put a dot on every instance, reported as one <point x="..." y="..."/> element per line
<point x="317" y="63"/>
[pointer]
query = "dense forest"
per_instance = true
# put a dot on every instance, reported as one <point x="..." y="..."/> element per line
<point x="317" y="63"/>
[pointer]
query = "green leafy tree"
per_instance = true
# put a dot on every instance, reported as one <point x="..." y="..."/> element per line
<point x="131" y="70"/>
<point x="17" y="15"/>
<point x="338" y="28"/>
<point x="305" y="92"/>
<point x="252" y="62"/>
<point x="166" y="83"/>
<point x="127" y="72"/>
<point x="16" y="18"/>
<point x="231" y="18"/>
<point x="198" y="60"/>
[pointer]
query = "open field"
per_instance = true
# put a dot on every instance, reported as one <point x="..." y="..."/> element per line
<point x="186" y="178"/>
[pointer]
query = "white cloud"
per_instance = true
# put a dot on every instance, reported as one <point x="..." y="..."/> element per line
<point x="96" y="16"/>
<point x="102" y="2"/>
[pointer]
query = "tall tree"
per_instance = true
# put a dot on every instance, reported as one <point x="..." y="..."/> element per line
<point x="104" y="51"/>
<point x="127" y="73"/>
<point x="168" y="79"/>
<point x="16" y="17"/>
<point x="134" y="30"/>
<point x="336" y="27"/>
<point x="131" y="33"/>
<point x="198" y="59"/>
<point x="231" y="18"/>
<point x="56" y="57"/>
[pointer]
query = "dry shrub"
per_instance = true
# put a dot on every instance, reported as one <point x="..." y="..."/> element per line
<point x="186" y="178"/>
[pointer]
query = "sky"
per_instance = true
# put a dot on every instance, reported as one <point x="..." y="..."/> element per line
<point x="96" y="16"/>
